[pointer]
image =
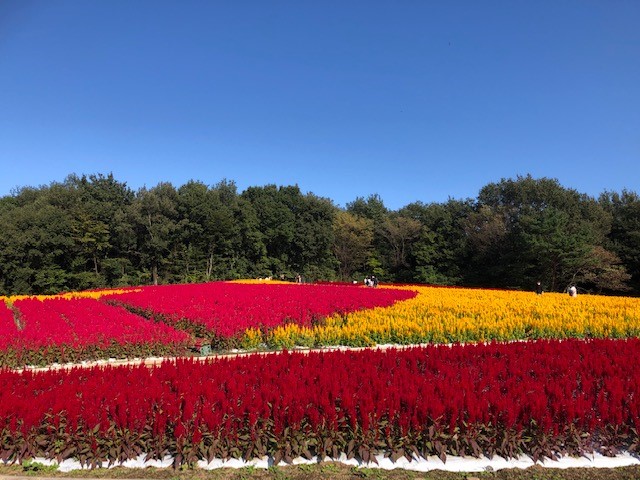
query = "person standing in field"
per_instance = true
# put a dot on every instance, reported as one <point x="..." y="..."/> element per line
<point x="539" y="288"/>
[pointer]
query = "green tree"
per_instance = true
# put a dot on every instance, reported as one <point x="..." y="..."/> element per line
<point x="400" y="233"/>
<point x="353" y="237"/>
<point x="530" y="229"/>
<point x="440" y="254"/>
<point x="35" y="241"/>
<point x="93" y="231"/>
<point x="624" y="237"/>
<point x="311" y="251"/>
<point x="92" y="236"/>
<point x="208" y="230"/>
<point x="277" y="225"/>
<point x="603" y="270"/>
<point x="296" y="230"/>
<point x="154" y="220"/>
<point x="97" y="220"/>
<point x="488" y="240"/>
<point x="555" y="247"/>
<point x="373" y="208"/>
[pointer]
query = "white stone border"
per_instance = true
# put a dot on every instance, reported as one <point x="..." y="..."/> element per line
<point x="453" y="464"/>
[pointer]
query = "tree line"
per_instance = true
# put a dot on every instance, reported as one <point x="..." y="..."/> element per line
<point x="94" y="231"/>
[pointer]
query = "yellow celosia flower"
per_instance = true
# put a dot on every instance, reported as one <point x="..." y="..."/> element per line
<point x="70" y="295"/>
<point x="446" y="315"/>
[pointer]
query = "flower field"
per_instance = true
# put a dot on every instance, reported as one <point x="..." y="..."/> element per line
<point x="224" y="311"/>
<point x="153" y="320"/>
<point x="70" y="330"/>
<point x="505" y="373"/>
<point x="446" y="315"/>
<point x="542" y="398"/>
<point x="168" y="320"/>
<point x="7" y="326"/>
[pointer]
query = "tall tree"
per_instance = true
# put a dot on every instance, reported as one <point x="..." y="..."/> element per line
<point x="487" y="233"/>
<point x="209" y="231"/>
<point x="547" y="231"/>
<point x="353" y="236"/>
<point x="297" y="230"/>
<point x="312" y="254"/>
<point x="277" y="224"/>
<point x="401" y="233"/>
<point x="373" y="208"/>
<point x="441" y="254"/>
<point x="603" y="270"/>
<point x="97" y="216"/>
<point x="35" y="241"/>
<point x="154" y="218"/>
<point x="624" y="237"/>
<point x="555" y="247"/>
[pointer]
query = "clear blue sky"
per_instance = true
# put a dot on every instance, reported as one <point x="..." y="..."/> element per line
<point x="413" y="100"/>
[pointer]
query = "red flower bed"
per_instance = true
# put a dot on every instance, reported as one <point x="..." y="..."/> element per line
<point x="8" y="327"/>
<point x="227" y="309"/>
<point x="540" y="398"/>
<point x="83" y="328"/>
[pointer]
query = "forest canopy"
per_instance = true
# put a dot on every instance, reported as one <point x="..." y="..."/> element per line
<point x="93" y="231"/>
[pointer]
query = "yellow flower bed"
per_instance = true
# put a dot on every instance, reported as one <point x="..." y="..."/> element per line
<point x="445" y="315"/>
<point x="70" y="295"/>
